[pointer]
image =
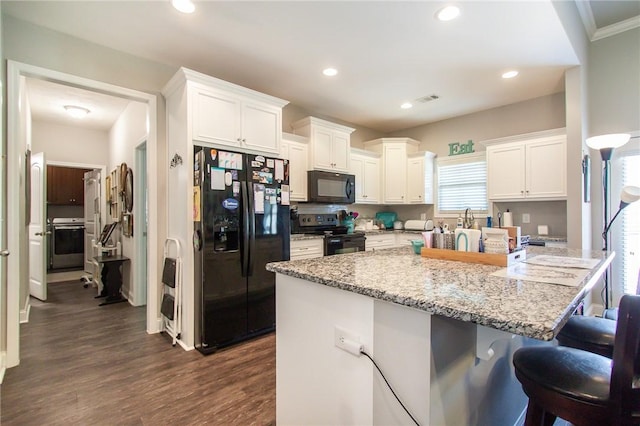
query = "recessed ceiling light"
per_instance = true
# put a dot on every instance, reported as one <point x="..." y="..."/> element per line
<point x="510" y="74"/>
<point x="76" y="111"/>
<point x="448" y="13"/>
<point x="330" y="72"/>
<point x="406" y="105"/>
<point x="184" y="6"/>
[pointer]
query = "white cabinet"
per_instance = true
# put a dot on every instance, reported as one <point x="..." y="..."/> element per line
<point x="379" y="241"/>
<point x="306" y="249"/>
<point x="365" y="166"/>
<point x="528" y="169"/>
<point x="403" y="239"/>
<point x="295" y="149"/>
<point x="420" y="178"/>
<point x="239" y="122"/>
<point x="213" y="112"/>
<point x="406" y="174"/>
<point x="329" y="143"/>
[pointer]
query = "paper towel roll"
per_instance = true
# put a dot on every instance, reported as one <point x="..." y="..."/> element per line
<point x="507" y="219"/>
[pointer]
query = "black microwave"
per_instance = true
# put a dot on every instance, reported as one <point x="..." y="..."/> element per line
<point x="329" y="187"/>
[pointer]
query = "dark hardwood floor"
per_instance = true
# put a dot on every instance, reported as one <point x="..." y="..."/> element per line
<point x="82" y="364"/>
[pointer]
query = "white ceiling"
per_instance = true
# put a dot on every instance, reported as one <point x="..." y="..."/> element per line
<point x="387" y="52"/>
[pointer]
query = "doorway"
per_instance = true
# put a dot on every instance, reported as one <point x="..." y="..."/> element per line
<point x="18" y="129"/>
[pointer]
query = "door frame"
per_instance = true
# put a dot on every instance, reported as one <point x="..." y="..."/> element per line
<point x="17" y="263"/>
<point x="140" y="209"/>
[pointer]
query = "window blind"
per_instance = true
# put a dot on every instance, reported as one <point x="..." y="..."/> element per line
<point x="462" y="185"/>
<point x="630" y="229"/>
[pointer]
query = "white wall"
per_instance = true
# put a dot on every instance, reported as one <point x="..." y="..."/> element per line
<point x="127" y="133"/>
<point x="70" y="144"/>
<point x="40" y="47"/>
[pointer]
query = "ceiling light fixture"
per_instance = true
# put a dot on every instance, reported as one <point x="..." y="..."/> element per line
<point x="406" y="105"/>
<point x="184" y="6"/>
<point x="76" y="111"/>
<point x="448" y="13"/>
<point x="510" y="74"/>
<point x="330" y="72"/>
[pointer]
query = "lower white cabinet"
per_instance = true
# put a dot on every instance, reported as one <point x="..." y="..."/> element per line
<point x="404" y="239"/>
<point x="380" y="241"/>
<point x="306" y="249"/>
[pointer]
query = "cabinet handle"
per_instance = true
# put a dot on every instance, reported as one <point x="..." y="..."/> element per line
<point x="522" y="192"/>
<point x="244" y="140"/>
<point x="238" y="140"/>
<point x="4" y="253"/>
<point x="527" y="191"/>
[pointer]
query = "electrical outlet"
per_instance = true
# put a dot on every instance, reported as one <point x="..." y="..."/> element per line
<point x="348" y="342"/>
<point x="526" y="218"/>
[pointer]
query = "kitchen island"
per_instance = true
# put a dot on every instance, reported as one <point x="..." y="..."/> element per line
<point x="443" y="333"/>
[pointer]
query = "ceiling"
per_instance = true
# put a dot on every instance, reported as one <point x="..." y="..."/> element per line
<point x="386" y="52"/>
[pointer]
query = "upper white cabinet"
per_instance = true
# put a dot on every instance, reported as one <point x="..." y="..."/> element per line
<point x="295" y="149"/>
<point x="365" y="165"/>
<point x="406" y="174"/>
<point x="533" y="167"/>
<point x="420" y="168"/>
<point x="224" y="114"/>
<point x="329" y="143"/>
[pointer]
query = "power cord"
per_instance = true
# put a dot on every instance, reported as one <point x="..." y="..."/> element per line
<point x="389" y="386"/>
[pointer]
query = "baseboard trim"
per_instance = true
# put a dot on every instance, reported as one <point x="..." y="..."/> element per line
<point x="24" y="314"/>
<point x="159" y="329"/>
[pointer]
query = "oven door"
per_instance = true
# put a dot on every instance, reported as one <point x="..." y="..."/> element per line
<point x="341" y="244"/>
<point x="67" y="249"/>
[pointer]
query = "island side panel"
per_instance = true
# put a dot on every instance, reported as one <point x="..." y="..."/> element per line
<point x="317" y="383"/>
<point x="468" y="390"/>
<point x="402" y="349"/>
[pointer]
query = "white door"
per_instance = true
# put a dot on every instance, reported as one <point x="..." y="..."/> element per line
<point x="92" y="210"/>
<point x="38" y="234"/>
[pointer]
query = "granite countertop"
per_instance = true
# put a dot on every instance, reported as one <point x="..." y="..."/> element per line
<point x="459" y="290"/>
<point x="548" y="238"/>
<point x="302" y="237"/>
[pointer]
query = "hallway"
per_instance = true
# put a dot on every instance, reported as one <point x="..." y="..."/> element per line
<point x="85" y="364"/>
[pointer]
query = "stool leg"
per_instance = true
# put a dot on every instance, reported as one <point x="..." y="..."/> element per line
<point x="537" y="416"/>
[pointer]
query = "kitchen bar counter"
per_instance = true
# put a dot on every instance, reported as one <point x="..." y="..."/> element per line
<point x="443" y="332"/>
<point x="458" y="290"/>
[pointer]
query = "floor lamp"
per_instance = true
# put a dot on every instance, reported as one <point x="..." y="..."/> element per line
<point x="606" y="144"/>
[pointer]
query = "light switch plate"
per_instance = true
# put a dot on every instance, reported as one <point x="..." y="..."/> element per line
<point x="543" y="230"/>
<point x="526" y="218"/>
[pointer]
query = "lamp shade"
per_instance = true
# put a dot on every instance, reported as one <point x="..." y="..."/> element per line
<point x="614" y="140"/>
<point x="629" y="194"/>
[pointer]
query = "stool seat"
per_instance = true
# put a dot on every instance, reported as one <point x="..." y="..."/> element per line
<point x="584" y="388"/>
<point x="570" y="372"/>
<point x="590" y="334"/>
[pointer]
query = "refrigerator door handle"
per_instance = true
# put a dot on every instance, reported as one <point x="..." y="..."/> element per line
<point x="244" y="187"/>
<point x="252" y="228"/>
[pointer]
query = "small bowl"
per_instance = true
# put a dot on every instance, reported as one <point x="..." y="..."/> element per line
<point x="417" y="245"/>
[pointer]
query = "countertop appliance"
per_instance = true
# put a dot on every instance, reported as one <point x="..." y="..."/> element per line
<point x="336" y="238"/>
<point x="387" y="218"/>
<point x="241" y="221"/>
<point x="329" y="187"/>
<point x="67" y="243"/>
<point x="418" y="225"/>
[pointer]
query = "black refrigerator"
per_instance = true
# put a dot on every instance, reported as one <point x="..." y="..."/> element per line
<point x="241" y="221"/>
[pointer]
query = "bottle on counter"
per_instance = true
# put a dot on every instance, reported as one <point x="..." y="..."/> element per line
<point x="460" y="222"/>
<point x="489" y="222"/>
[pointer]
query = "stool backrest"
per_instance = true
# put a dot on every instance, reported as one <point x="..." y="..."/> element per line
<point x="626" y="361"/>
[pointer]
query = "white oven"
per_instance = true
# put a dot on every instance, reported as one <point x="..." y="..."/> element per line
<point x="67" y="243"/>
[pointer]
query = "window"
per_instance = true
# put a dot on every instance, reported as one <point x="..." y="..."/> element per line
<point x="630" y="229"/>
<point x="462" y="184"/>
<point x="625" y="232"/>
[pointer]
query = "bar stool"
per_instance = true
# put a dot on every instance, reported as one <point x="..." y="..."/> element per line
<point x="582" y="387"/>
<point x="591" y="333"/>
